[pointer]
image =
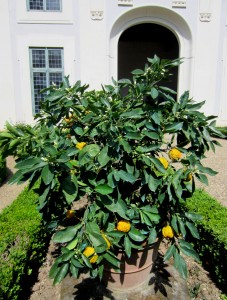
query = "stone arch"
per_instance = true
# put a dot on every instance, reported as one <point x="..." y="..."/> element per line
<point x="161" y="16"/>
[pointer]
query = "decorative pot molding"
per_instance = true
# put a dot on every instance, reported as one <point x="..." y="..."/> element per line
<point x="125" y="2"/>
<point x="181" y="4"/>
<point x="205" y="17"/>
<point x="97" y="15"/>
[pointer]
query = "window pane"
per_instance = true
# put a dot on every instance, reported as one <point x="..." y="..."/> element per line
<point x="55" y="78"/>
<point x="39" y="83"/>
<point x="38" y="58"/>
<point x="54" y="57"/>
<point x="52" y="4"/>
<point x="36" y="4"/>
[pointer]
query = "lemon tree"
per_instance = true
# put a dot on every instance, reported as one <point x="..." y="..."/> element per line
<point x="132" y="150"/>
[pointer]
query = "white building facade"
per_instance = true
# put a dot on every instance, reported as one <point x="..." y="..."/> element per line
<point x="95" y="40"/>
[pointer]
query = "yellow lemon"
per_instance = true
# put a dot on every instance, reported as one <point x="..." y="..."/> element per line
<point x="81" y="145"/>
<point x="167" y="232"/>
<point x="94" y="258"/>
<point x="107" y="241"/>
<point x="70" y="214"/>
<point x="123" y="226"/>
<point x="164" y="162"/>
<point x="189" y="177"/>
<point x="90" y="252"/>
<point x="175" y="154"/>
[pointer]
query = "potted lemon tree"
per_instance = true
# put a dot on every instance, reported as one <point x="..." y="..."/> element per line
<point x="114" y="168"/>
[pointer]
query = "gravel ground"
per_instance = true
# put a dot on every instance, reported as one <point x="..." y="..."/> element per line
<point x="9" y="192"/>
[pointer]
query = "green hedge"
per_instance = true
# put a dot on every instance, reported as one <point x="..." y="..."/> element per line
<point x="2" y="169"/>
<point x="212" y="247"/>
<point x="22" y="244"/>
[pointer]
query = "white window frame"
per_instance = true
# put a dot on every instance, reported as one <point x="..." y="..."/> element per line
<point x="44" y="7"/>
<point x="47" y="70"/>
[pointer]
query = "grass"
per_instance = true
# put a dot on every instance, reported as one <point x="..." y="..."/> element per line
<point x="23" y="242"/>
<point x="212" y="245"/>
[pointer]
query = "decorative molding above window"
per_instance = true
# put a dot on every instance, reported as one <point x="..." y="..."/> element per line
<point x="205" y="17"/>
<point x="180" y="4"/>
<point x="97" y="15"/>
<point x="125" y="2"/>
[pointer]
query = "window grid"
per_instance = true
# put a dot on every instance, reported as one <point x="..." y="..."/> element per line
<point x="46" y="68"/>
<point x="44" y="5"/>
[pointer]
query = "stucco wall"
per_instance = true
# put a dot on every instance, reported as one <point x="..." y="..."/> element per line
<point x="89" y="31"/>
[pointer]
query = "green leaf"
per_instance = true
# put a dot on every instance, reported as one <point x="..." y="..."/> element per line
<point x="43" y="197"/>
<point x="136" y="235"/>
<point x="79" y="130"/>
<point x="153" y="217"/>
<point x="127" y="246"/>
<point x="193" y="216"/>
<point x="118" y="206"/>
<point x="180" y="265"/>
<point x="88" y="153"/>
<point x="188" y="250"/>
<point x="137" y="72"/>
<point x="158" y="164"/>
<point x="66" y="235"/>
<point x="72" y="244"/>
<point x="182" y="227"/>
<point x="174" y="224"/>
<point x="28" y="163"/>
<point x="152" y="236"/>
<point x="126" y="176"/>
<point x="100" y="271"/>
<point x="16" y="178"/>
<point x="154" y="93"/>
<point x="62" y="272"/>
<point x="70" y="188"/>
<point x="125" y="145"/>
<point x="174" y="127"/>
<point x="56" y="95"/>
<point x="66" y="256"/>
<point x="208" y="171"/>
<point x="152" y="135"/>
<point x="47" y="174"/>
<point x="133" y="114"/>
<point x="74" y="271"/>
<point x="133" y="135"/>
<point x="103" y="157"/>
<point x="153" y="183"/>
<point x="165" y="89"/>
<point x="86" y="261"/>
<point x="112" y="259"/>
<point x="54" y="269"/>
<point x="103" y="189"/>
<point x="202" y="178"/>
<point x="77" y="263"/>
<point x="170" y="252"/>
<point x="193" y="230"/>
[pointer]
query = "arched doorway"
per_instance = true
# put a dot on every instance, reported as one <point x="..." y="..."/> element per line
<point x="141" y="41"/>
<point x="172" y="22"/>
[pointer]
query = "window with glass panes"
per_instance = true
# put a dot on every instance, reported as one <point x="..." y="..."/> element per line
<point x="46" y="69"/>
<point x="44" y="5"/>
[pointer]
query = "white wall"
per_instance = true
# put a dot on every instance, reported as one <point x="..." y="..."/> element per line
<point x="7" y="96"/>
<point x="89" y="30"/>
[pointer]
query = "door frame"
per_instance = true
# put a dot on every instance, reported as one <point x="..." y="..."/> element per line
<point x="161" y="16"/>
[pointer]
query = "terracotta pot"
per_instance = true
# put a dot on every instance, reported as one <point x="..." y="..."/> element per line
<point x="134" y="271"/>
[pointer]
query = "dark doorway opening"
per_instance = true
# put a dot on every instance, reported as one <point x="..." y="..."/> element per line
<point x="141" y="41"/>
